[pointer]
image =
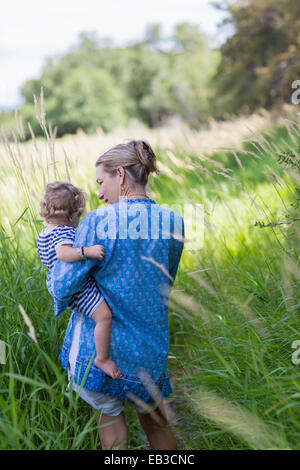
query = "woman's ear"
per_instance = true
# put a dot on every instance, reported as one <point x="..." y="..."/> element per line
<point x="121" y="174"/>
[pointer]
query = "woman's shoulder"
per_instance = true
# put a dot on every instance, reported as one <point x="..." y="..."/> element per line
<point x="93" y="215"/>
<point x="170" y="212"/>
<point x="104" y="211"/>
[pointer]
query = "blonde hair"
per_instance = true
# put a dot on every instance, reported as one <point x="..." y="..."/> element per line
<point x="62" y="201"/>
<point x="136" y="157"/>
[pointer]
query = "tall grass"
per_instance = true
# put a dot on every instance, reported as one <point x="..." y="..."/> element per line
<point x="233" y="310"/>
<point x="238" y="299"/>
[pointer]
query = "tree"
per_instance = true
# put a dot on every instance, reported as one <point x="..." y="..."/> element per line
<point x="262" y="57"/>
<point x="189" y="39"/>
<point x="194" y="64"/>
<point x="77" y="93"/>
<point x="97" y="84"/>
<point x="153" y="35"/>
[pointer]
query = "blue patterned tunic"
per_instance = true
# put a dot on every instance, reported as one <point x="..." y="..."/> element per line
<point x="143" y="243"/>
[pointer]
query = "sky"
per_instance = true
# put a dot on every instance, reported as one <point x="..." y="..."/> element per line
<point x="31" y="30"/>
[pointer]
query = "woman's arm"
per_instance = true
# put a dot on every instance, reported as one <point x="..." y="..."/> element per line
<point x="68" y="278"/>
<point x="69" y="254"/>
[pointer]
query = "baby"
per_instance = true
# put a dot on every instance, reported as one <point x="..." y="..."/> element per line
<point x="62" y="206"/>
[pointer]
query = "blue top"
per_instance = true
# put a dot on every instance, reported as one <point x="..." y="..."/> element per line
<point x="143" y="243"/>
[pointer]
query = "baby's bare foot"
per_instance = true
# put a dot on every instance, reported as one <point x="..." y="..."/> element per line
<point x="108" y="367"/>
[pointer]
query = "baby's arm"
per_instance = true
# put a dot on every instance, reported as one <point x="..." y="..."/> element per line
<point x="69" y="254"/>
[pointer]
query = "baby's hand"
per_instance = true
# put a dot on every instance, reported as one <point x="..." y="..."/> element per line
<point x="95" y="251"/>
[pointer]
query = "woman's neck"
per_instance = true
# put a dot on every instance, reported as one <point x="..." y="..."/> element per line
<point x="134" y="193"/>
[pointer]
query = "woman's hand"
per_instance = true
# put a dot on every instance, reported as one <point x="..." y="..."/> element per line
<point x="95" y="251"/>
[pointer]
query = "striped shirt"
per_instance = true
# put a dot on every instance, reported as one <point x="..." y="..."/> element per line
<point x="47" y="244"/>
<point x="89" y="297"/>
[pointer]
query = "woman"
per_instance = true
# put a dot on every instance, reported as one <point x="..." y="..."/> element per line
<point x="143" y="243"/>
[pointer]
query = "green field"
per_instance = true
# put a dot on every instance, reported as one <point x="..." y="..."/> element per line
<point x="233" y="309"/>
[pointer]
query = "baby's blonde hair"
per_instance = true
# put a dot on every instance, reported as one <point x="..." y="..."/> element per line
<point x="62" y="201"/>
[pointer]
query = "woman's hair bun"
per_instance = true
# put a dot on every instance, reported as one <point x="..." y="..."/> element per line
<point x="145" y="155"/>
<point x="136" y="156"/>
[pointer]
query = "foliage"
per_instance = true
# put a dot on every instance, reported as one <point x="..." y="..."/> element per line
<point x="289" y="160"/>
<point x="261" y="59"/>
<point x="96" y="84"/>
<point x="233" y="312"/>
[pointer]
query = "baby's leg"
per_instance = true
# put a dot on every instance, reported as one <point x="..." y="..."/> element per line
<point x="102" y="317"/>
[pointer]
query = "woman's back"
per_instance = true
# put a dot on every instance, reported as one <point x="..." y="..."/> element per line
<point x="143" y="243"/>
<point x="134" y="279"/>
